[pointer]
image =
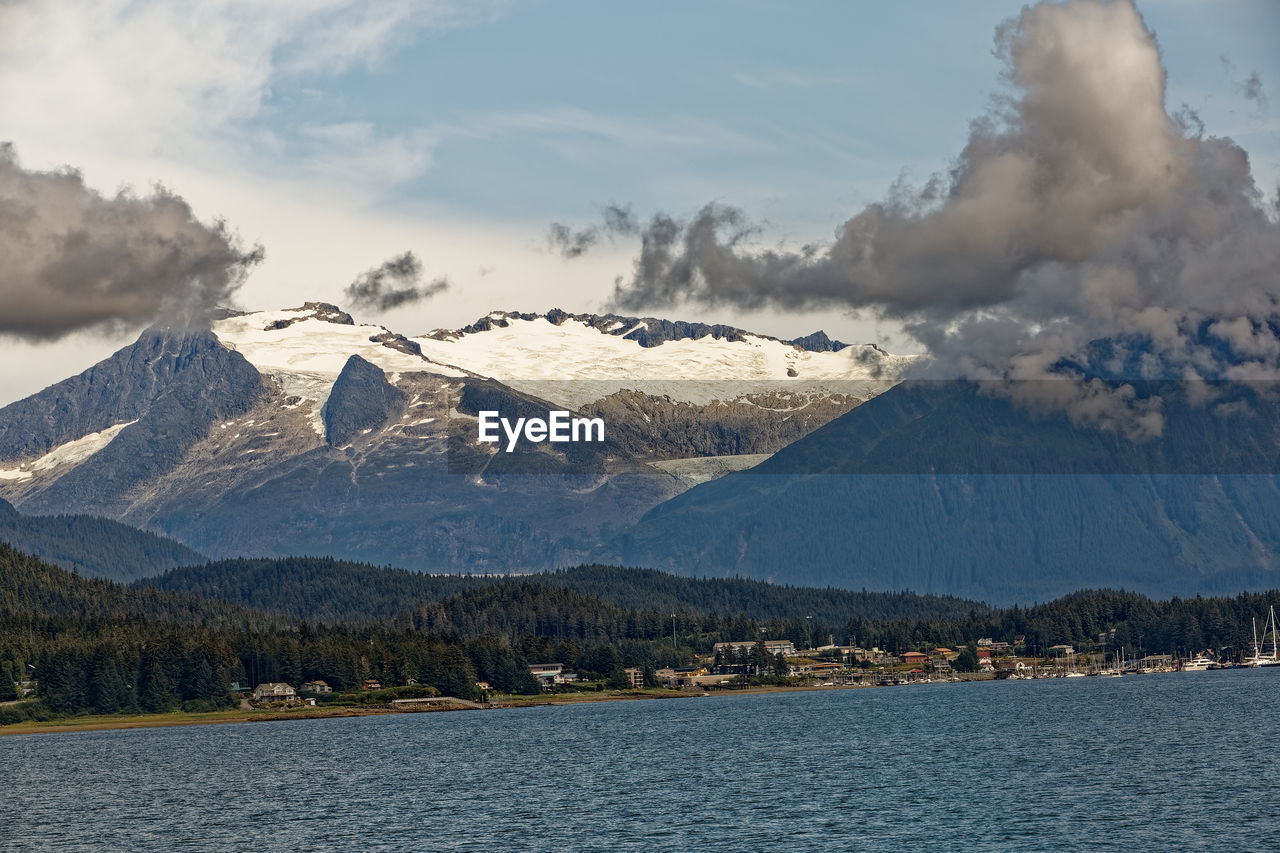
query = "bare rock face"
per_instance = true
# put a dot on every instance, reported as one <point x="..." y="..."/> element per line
<point x="400" y="343"/>
<point x="361" y="400"/>
<point x="319" y="310"/>
<point x="124" y="387"/>
<point x="170" y="387"/>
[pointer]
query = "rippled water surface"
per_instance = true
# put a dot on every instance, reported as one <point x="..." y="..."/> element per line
<point x="1173" y="762"/>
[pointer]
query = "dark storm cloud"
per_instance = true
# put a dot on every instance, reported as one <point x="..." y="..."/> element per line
<point x="618" y="221"/>
<point x="71" y="258"/>
<point x="1079" y="209"/>
<point x="395" y="283"/>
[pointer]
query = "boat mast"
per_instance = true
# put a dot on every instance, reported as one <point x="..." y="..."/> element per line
<point x="1275" y="651"/>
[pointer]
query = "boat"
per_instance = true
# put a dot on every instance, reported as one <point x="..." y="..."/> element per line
<point x="1260" y="657"/>
<point x="1199" y="663"/>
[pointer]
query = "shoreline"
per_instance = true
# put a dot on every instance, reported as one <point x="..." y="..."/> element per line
<point x="239" y="715"/>
<point x="501" y="702"/>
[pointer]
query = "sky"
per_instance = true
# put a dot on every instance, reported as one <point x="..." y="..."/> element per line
<point x="340" y="135"/>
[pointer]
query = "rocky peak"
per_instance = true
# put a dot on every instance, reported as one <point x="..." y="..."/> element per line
<point x="361" y="399"/>
<point x="320" y="311"/>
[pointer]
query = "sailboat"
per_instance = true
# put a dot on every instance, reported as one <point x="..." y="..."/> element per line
<point x="1259" y="657"/>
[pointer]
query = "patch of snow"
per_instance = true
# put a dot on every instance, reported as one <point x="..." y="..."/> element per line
<point x="71" y="453"/>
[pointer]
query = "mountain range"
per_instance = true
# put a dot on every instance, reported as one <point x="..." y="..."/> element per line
<point x="301" y="432"/>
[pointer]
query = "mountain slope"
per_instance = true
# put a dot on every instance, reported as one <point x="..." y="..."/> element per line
<point x="938" y="487"/>
<point x="149" y="404"/>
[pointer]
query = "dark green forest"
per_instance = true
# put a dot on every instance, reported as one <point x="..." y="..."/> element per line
<point x="91" y="645"/>
<point x="98" y="547"/>
<point x="321" y="589"/>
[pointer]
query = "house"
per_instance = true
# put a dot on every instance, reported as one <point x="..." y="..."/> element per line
<point x="786" y="648"/>
<point x="371" y="684"/>
<point x="274" y="691"/>
<point x="914" y="658"/>
<point x="678" y="679"/>
<point x="1062" y="650"/>
<point x="636" y="676"/>
<point x="819" y="668"/>
<point x="550" y="673"/>
<point x="317" y="686"/>
<point x="984" y="654"/>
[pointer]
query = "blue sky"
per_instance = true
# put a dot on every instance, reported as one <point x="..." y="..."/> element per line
<point x="801" y="113"/>
<point x="339" y="133"/>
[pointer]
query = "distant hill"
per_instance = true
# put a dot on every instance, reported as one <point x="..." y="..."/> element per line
<point x="94" y="547"/>
<point x="32" y="590"/>
<point x="939" y="487"/>
<point x="325" y="590"/>
<point x="318" y="589"/>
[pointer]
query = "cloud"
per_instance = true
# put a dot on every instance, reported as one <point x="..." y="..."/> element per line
<point x="619" y="221"/>
<point x="210" y="84"/>
<point x="1078" y="210"/>
<point x="1250" y="88"/>
<point x="395" y="283"/>
<point x="73" y="259"/>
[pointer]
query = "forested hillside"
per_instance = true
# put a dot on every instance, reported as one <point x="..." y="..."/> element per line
<point x="95" y="645"/>
<point x="95" y="547"/>
<point x="321" y="589"/>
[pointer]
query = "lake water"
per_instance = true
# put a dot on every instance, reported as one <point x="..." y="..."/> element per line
<point x="1179" y="761"/>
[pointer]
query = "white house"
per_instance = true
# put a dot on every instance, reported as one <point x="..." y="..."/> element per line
<point x="273" y="691"/>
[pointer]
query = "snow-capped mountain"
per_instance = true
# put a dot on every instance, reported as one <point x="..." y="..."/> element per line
<point x="575" y="359"/>
<point x="668" y="390"/>
<point x="301" y="431"/>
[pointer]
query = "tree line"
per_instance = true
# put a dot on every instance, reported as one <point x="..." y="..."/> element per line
<point x="90" y="645"/>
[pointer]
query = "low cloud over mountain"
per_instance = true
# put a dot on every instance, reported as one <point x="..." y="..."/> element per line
<point x="1080" y="209"/>
<point x="71" y="258"/>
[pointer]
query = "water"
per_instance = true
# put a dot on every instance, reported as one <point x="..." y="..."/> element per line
<point x="1179" y="761"/>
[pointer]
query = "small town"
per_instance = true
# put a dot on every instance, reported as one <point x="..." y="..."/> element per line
<point x="758" y="666"/>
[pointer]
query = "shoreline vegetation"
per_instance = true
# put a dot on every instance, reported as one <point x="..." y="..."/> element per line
<point x="249" y="640"/>
<point x="501" y="702"/>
